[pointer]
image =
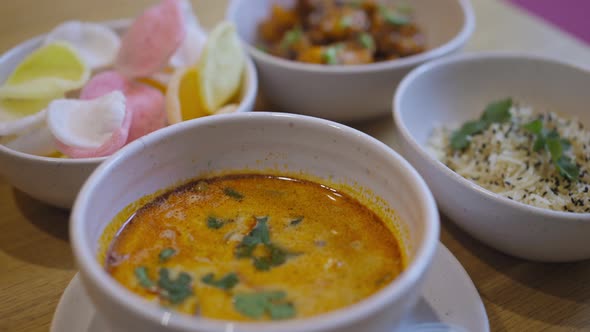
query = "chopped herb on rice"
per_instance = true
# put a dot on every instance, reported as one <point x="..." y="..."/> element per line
<point x="502" y="159"/>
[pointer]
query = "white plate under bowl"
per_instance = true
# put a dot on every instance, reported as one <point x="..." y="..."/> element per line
<point x="448" y="296"/>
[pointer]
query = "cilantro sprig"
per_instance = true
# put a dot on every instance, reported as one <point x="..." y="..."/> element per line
<point x="367" y="40"/>
<point x="260" y="235"/>
<point x="496" y="112"/>
<point x="141" y="273"/>
<point x="231" y="192"/>
<point x="552" y="143"/>
<point x="345" y="22"/>
<point x="272" y="303"/>
<point x="166" y="254"/>
<point x="394" y="17"/>
<point x="226" y="282"/>
<point x="215" y="223"/>
<point x="296" y="221"/>
<point x="277" y="256"/>
<point x="330" y="54"/>
<point x="175" y="290"/>
<point x="291" y="37"/>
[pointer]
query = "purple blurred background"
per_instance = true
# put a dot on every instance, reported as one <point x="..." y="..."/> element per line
<point x="572" y="16"/>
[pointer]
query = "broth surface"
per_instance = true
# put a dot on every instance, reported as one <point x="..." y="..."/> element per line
<point x="254" y="247"/>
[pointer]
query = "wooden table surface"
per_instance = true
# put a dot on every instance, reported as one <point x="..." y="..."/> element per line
<point x="36" y="263"/>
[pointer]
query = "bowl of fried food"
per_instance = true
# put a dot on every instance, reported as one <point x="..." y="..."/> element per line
<point x="342" y="60"/>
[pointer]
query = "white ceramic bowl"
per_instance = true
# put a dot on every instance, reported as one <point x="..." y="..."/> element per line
<point x="348" y="93"/>
<point x="56" y="181"/>
<point x="258" y="141"/>
<point x="454" y="90"/>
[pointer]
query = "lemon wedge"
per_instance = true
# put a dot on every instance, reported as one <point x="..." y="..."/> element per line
<point x="220" y="67"/>
<point x="183" y="101"/>
<point x="47" y="73"/>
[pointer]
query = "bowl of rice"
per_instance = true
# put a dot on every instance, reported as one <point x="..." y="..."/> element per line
<point x="503" y="141"/>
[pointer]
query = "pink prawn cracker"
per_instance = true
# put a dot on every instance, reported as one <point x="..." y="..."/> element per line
<point x="151" y="40"/>
<point x="146" y="104"/>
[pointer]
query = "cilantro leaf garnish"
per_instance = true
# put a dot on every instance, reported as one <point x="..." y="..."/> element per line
<point x="226" y="282"/>
<point x="176" y="290"/>
<point x="258" y="235"/>
<point x="394" y="17"/>
<point x="233" y="193"/>
<point x="141" y="273"/>
<point x="551" y="142"/>
<point x="330" y="54"/>
<point x="367" y="41"/>
<point x="345" y="22"/>
<point x="296" y="221"/>
<point x="291" y="37"/>
<point x="567" y="168"/>
<point x="273" y="303"/>
<point x="214" y="223"/>
<point x="165" y="254"/>
<point x="497" y="112"/>
<point x="277" y="256"/>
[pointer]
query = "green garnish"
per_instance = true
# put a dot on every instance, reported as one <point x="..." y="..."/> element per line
<point x="394" y="17"/>
<point x="261" y="235"/>
<point x="233" y="193"/>
<point x="141" y="273"/>
<point x="345" y="22"/>
<point x="176" y="290"/>
<point x="258" y="235"/>
<point x="226" y="282"/>
<point x="367" y="41"/>
<point x="165" y="254"/>
<point x="277" y="256"/>
<point x="296" y="221"/>
<point x="255" y="305"/>
<point x="497" y="112"/>
<point x="214" y="223"/>
<point x="330" y="54"/>
<point x="551" y="142"/>
<point x="291" y="37"/>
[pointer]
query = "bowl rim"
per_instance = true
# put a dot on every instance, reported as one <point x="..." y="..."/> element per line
<point x="250" y="90"/>
<point x="448" y="47"/>
<point x="94" y="273"/>
<point x="442" y="169"/>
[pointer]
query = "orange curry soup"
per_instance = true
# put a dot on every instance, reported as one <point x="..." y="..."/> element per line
<point x="254" y="247"/>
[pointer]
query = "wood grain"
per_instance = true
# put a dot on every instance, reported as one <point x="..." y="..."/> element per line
<point x="36" y="263"/>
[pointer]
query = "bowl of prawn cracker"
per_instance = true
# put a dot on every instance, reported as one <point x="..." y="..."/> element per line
<point x="342" y="60"/>
<point x="74" y="96"/>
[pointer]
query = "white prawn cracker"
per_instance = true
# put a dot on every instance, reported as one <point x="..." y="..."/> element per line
<point x="87" y="124"/>
<point x="97" y="44"/>
<point x="190" y="50"/>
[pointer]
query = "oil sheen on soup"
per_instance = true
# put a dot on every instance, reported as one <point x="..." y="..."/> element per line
<point x="254" y="247"/>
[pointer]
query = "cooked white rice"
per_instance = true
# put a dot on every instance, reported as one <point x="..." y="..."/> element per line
<point x="502" y="160"/>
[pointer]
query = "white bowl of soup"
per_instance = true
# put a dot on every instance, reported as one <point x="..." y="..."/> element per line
<point x="335" y="88"/>
<point x="254" y="222"/>
<point x="502" y="185"/>
<point x="56" y="180"/>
